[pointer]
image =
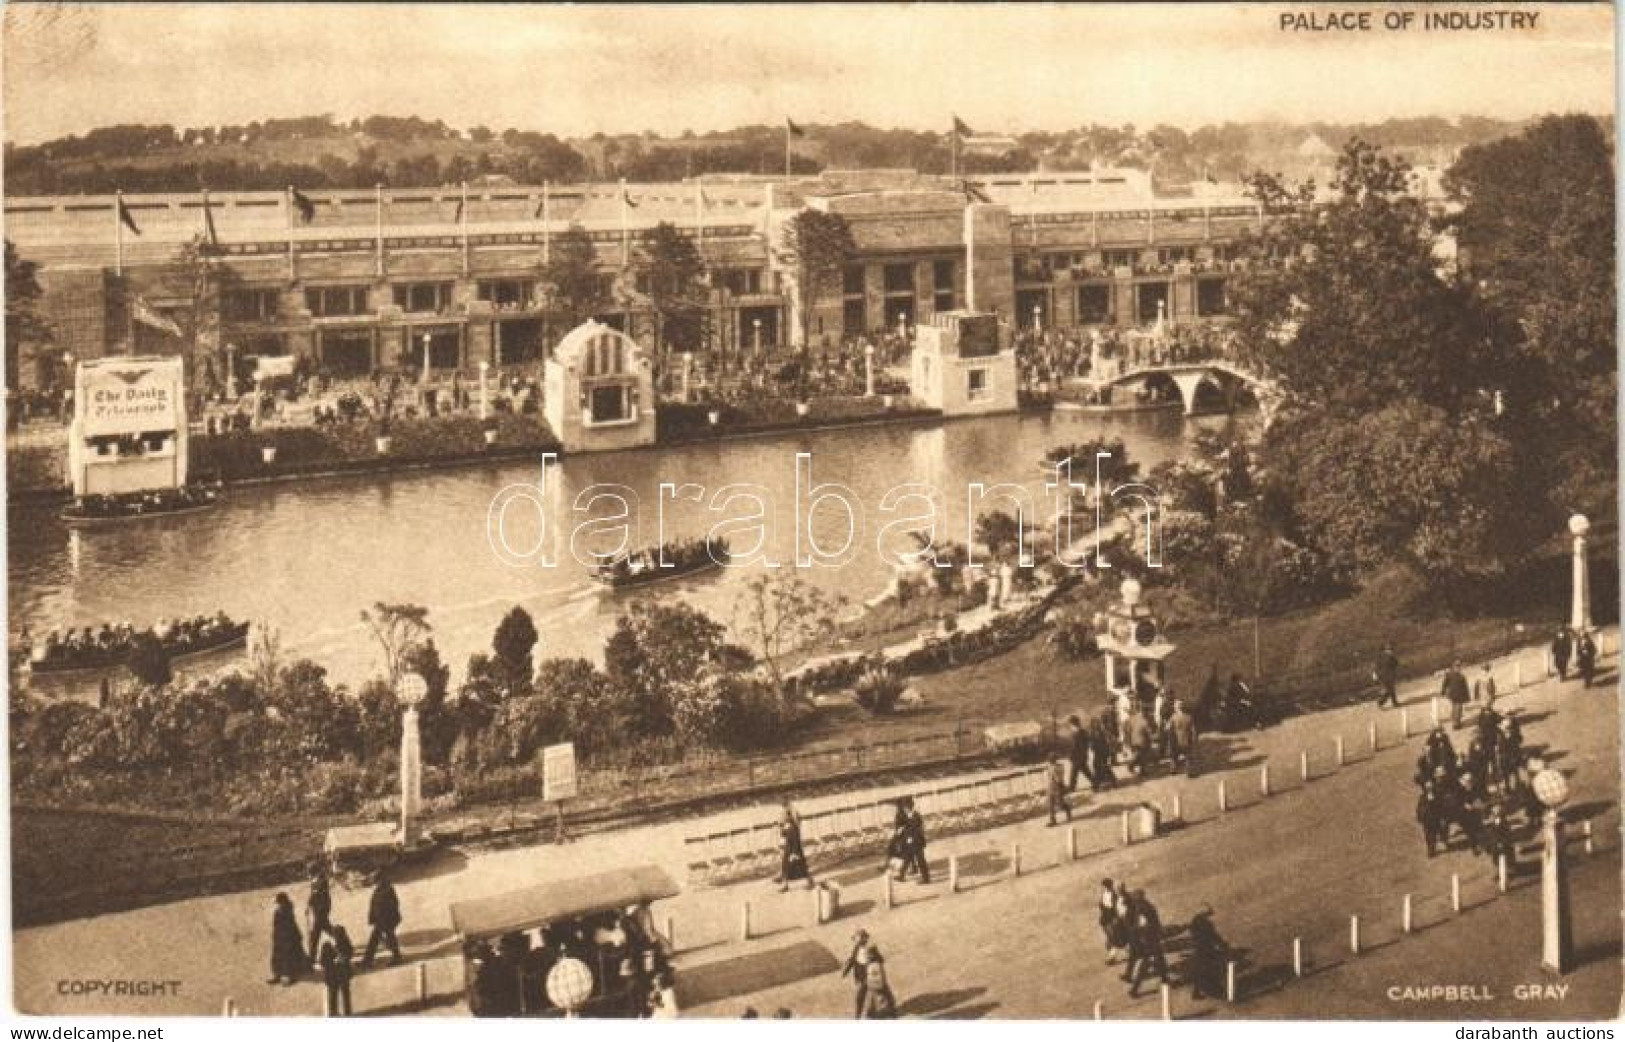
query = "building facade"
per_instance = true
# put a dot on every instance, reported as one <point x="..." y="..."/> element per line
<point x="444" y="279"/>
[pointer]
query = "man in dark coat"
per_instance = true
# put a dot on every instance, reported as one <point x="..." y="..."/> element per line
<point x="1209" y="952"/>
<point x="1454" y="688"/>
<point x="337" y="971"/>
<point x="318" y="909"/>
<point x="288" y="959"/>
<point x="1585" y="658"/>
<point x="1078" y="753"/>
<point x="1145" y="952"/>
<point x="1386" y="673"/>
<point x="384" y="916"/>
<point x="1562" y="648"/>
<point x="1181" y="732"/>
<point x="916" y="842"/>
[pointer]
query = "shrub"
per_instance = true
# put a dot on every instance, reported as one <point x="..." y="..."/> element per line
<point x="878" y="690"/>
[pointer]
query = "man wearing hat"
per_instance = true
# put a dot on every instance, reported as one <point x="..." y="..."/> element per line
<point x="1454" y="687"/>
<point x="1562" y="648"/>
<point x="1386" y="673"/>
<point x="857" y="965"/>
<point x="1145" y="944"/>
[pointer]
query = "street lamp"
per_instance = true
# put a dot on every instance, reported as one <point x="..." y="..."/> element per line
<point x="1580" y="610"/>
<point x="425" y="377"/>
<point x="902" y="324"/>
<point x="1557" y="931"/>
<point x="756" y="336"/>
<point x="1038" y="318"/>
<point x="868" y="370"/>
<point x="411" y="689"/>
<point x="485" y="405"/>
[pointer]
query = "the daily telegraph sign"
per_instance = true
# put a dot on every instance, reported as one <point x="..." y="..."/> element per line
<point x="129" y="396"/>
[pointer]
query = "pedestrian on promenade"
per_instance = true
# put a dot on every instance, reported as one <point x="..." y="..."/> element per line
<point x="1562" y="648"/>
<point x="878" y="1001"/>
<point x="1057" y="792"/>
<point x="288" y="959"/>
<point x="792" y="856"/>
<point x="1145" y="953"/>
<point x="857" y="962"/>
<point x="915" y="845"/>
<point x="897" y="853"/>
<point x="1139" y="742"/>
<point x="384" y="916"/>
<point x="1078" y="753"/>
<point x="1182" y="740"/>
<point x="1484" y="688"/>
<point x="1209" y="953"/>
<point x="318" y="909"/>
<point x="1585" y="657"/>
<point x="1454" y="689"/>
<point x="336" y="956"/>
<point x="1110" y="931"/>
<point x="1386" y="675"/>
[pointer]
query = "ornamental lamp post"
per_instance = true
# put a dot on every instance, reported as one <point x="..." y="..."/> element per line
<point x="902" y="325"/>
<point x="1038" y="318"/>
<point x="411" y="689"/>
<point x="1580" y="611"/>
<point x="485" y="402"/>
<point x="868" y="370"/>
<point x="756" y="336"/>
<point x="1557" y="930"/>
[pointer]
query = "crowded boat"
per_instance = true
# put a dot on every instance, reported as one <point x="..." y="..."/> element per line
<point x="668" y="561"/>
<point x="110" y="646"/>
<point x="158" y="502"/>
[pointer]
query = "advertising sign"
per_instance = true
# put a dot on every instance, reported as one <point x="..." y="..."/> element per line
<point x="129" y="396"/>
<point x="559" y="772"/>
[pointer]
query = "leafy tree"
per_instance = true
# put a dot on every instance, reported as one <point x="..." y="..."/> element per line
<point x="654" y="653"/>
<point x="513" y="642"/>
<point x="24" y="323"/>
<point x="1345" y="303"/>
<point x="673" y="267"/>
<point x="572" y="277"/>
<point x="396" y="628"/>
<point x="815" y="246"/>
<point x="775" y="616"/>
<point x="1535" y="227"/>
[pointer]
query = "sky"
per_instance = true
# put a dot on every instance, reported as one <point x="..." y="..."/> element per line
<point x="626" y="69"/>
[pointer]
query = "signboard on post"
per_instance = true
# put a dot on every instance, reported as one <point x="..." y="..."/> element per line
<point x="559" y="782"/>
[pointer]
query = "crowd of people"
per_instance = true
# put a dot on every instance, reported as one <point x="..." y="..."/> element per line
<point x="1053" y="356"/>
<point x="148" y="503"/>
<point x="1131" y="924"/>
<point x="110" y="645"/>
<point x="1475" y="792"/>
<point x="330" y="952"/>
<point x="631" y="972"/>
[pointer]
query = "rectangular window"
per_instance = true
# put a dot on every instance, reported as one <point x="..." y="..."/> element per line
<point x="852" y="318"/>
<point x="978" y="385"/>
<point x="1094" y="304"/>
<point x="942" y="275"/>
<point x="331" y="301"/>
<point x="609" y="404"/>
<point x="1211" y="298"/>
<point x="251" y="305"/>
<point x="900" y="278"/>
<point x="1120" y="258"/>
<point x="852" y="280"/>
<point x="423" y="297"/>
<point x="508" y="293"/>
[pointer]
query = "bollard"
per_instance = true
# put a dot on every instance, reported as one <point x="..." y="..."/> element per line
<point x="1590" y="843"/>
<point x="327" y="1003"/>
<point x="818" y="905"/>
<point x="1303" y="766"/>
<point x="1501" y="873"/>
<point x="1100" y="1010"/>
<point x="1167" y="1002"/>
<point x="1264" y="780"/>
<point x="1517" y="674"/>
<point x="1405" y="915"/>
<point x="1433" y="708"/>
<point x="886" y="898"/>
<point x="1337" y="747"/>
<point x="1455" y="892"/>
<point x="671" y="932"/>
<point x="1071" y="843"/>
<point x="1223" y="803"/>
<point x="1230" y="981"/>
<point x="953" y="873"/>
<point x="423" y="983"/>
<point x="1127" y="829"/>
<point x="1015" y="858"/>
<point x="1404" y="722"/>
<point x="744" y="916"/>
<point x="1179" y="809"/>
<point x="228" y="1008"/>
<point x="1297" y="956"/>
<point x="1354" y="934"/>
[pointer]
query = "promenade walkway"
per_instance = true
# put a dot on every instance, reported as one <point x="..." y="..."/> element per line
<point x="1296" y="862"/>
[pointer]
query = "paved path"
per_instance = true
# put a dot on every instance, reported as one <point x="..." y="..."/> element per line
<point x="1035" y="947"/>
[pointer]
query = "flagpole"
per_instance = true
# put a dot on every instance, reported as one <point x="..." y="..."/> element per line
<point x="378" y="223"/>
<point x="287" y="210"/>
<point x="208" y="222"/>
<point x="953" y="152"/>
<point x="547" y="223"/>
<point x="462" y="221"/>
<point x="626" y="249"/>
<point x="787" y="149"/>
<point x="118" y="232"/>
<point x="699" y="213"/>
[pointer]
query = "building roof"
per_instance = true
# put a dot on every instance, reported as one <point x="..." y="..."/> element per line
<point x="534" y="906"/>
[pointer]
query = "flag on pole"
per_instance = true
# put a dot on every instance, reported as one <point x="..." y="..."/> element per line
<point x="626" y="198"/>
<point x="457" y="217"/>
<point x="208" y="222"/>
<point x="126" y="218"/>
<point x="147" y="315"/>
<point x="974" y="194"/>
<point x="793" y="130"/>
<point x="961" y="129"/>
<point x="541" y="204"/>
<point x="306" y="208"/>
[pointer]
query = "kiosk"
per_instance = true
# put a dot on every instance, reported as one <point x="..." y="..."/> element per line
<point x="129" y="426"/>
<point x="599" y="391"/>
<point x="1135" y="650"/>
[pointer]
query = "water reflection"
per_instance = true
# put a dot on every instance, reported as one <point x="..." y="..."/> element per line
<point x="307" y="558"/>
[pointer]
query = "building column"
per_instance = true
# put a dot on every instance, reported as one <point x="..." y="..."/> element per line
<point x="874" y="298"/>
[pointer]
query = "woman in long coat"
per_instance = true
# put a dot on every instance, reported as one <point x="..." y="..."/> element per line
<point x="287" y="945"/>
<point x="792" y="856"/>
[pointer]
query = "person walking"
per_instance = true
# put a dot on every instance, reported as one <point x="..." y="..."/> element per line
<point x="915" y="845"/>
<point x="1386" y="674"/>
<point x="1585" y="658"/>
<point x="1145" y="944"/>
<point x="792" y="856"/>
<point x="897" y="852"/>
<point x="857" y="962"/>
<point x="878" y="1001"/>
<point x="1078" y="753"/>
<point x="1454" y="689"/>
<point x="287" y="947"/>
<point x="1484" y="688"/>
<point x="1562" y="649"/>
<point x="384" y="916"/>
<point x="1058" y="791"/>
<point x="1182" y="740"/>
<point x="1209" y="952"/>
<point x="1111" y="933"/>
<point x="1139" y="743"/>
<point x="336" y="956"/>
<point x="318" y="909"/>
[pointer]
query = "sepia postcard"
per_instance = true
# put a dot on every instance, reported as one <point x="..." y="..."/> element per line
<point x="1092" y="511"/>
